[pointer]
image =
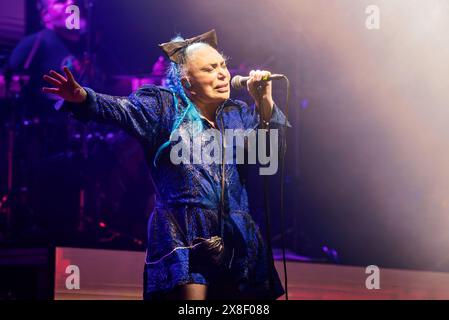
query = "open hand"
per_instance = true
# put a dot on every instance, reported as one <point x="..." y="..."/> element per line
<point x="65" y="87"/>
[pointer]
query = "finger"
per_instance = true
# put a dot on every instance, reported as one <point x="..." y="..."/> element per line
<point x="50" y="90"/>
<point x="69" y="74"/>
<point x="58" y="76"/>
<point x="258" y="75"/>
<point x="251" y="73"/>
<point x="52" y="81"/>
<point x="266" y="75"/>
<point x="250" y="83"/>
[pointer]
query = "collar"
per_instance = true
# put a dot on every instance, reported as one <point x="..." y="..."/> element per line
<point x="227" y="103"/>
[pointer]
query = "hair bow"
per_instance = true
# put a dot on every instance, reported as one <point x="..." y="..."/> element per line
<point x="175" y="48"/>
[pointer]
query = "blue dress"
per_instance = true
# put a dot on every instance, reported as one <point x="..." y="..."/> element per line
<point x="190" y="194"/>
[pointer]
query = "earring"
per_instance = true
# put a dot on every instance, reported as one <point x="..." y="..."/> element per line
<point x="188" y="85"/>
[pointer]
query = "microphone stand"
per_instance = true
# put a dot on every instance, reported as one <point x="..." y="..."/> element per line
<point x="269" y="250"/>
<point x="5" y="201"/>
<point x="13" y="99"/>
<point x="88" y="75"/>
<point x="283" y="147"/>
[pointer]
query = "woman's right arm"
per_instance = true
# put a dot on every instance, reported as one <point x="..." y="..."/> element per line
<point x="140" y="113"/>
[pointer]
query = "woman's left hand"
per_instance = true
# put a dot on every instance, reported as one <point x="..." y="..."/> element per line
<point x="261" y="92"/>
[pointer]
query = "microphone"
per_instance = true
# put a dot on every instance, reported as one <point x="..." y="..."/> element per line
<point x="239" y="82"/>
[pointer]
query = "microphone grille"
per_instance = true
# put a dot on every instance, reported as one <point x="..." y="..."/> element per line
<point x="236" y="83"/>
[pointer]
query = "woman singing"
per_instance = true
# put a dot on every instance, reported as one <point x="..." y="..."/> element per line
<point x="196" y="203"/>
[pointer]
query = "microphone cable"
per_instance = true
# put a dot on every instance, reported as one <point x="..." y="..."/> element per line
<point x="283" y="150"/>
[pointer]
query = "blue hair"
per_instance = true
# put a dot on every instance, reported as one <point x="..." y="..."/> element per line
<point x="173" y="82"/>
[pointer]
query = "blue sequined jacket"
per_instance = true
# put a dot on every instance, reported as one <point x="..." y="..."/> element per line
<point x="148" y="114"/>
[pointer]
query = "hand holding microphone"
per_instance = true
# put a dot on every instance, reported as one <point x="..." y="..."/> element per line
<point x="259" y="87"/>
<point x="239" y="82"/>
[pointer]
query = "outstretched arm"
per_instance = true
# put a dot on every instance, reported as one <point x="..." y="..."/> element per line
<point x="139" y="113"/>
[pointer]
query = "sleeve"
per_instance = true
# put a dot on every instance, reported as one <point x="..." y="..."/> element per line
<point x="251" y="118"/>
<point x="141" y="114"/>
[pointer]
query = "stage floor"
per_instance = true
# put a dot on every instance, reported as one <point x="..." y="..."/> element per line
<point x="109" y="274"/>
